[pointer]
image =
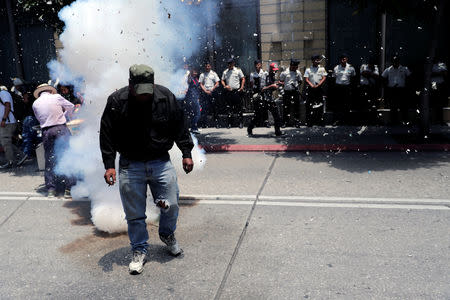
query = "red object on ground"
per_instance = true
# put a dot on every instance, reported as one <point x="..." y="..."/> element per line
<point x="324" y="147"/>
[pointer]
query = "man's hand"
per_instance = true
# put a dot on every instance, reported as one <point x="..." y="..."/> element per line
<point x="208" y="92"/>
<point x="110" y="176"/>
<point x="228" y="87"/>
<point x="3" y="124"/>
<point x="188" y="165"/>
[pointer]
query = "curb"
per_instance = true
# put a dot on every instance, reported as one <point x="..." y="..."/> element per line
<point x="325" y="147"/>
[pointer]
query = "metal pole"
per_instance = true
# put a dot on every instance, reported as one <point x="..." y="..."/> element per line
<point x="13" y="36"/>
<point x="426" y="93"/>
<point x="383" y="47"/>
<point x="258" y="27"/>
<point x="383" y="42"/>
<point x="210" y="33"/>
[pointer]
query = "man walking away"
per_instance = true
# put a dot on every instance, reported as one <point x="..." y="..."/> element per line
<point x="291" y="79"/>
<point x="52" y="111"/>
<point x="315" y="77"/>
<point x="141" y="122"/>
<point x="209" y="81"/>
<point x="233" y="81"/>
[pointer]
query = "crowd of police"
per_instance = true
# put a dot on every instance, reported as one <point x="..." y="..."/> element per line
<point x="318" y="97"/>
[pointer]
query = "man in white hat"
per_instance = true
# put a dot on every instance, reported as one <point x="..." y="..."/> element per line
<point x="51" y="109"/>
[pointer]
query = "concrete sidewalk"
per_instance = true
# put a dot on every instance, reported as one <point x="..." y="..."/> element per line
<point x="327" y="138"/>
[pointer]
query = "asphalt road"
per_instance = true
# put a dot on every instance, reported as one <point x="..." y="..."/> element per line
<point x="253" y="226"/>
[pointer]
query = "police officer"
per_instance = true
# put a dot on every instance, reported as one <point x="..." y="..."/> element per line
<point x="343" y="74"/>
<point x="264" y="84"/>
<point x="233" y="81"/>
<point x="315" y="77"/>
<point x="257" y="82"/>
<point x="209" y="81"/>
<point x="368" y="84"/>
<point x="396" y="93"/>
<point x="291" y="79"/>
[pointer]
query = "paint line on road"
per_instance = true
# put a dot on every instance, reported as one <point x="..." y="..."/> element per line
<point x="325" y="205"/>
<point x="280" y="201"/>
<point x="59" y="199"/>
<point x="221" y="202"/>
<point x="56" y="199"/>
<point x="13" y="198"/>
<point x="372" y="200"/>
<point x="218" y="197"/>
<point x="24" y="194"/>
<point x="416" y="206"/>
<point x="356" y="205"/>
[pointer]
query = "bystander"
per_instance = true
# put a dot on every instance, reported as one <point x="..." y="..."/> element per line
<point x="52" y="111"/>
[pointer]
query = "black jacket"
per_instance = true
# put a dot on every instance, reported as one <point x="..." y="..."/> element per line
<point x="142" y="132"/>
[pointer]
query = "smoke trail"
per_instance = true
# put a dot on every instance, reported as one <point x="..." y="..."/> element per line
<point x="101" y="39"/>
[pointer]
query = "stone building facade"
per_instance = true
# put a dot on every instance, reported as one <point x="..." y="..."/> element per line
<point x="292" y="29"/>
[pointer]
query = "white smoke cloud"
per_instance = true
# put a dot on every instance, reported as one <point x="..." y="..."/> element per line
<point x="102" y="39"/>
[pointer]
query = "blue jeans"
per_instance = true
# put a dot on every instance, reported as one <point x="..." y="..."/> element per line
<point x="160" y="176"/>
<point x="29" y="135"/>
<point x="195" y="112"/>
<point x="56" y="140"/>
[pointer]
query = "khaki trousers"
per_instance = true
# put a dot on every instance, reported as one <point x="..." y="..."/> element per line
<point x="6" y="134"/>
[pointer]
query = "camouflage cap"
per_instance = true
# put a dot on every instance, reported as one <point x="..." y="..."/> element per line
<point x="142" y="78"/>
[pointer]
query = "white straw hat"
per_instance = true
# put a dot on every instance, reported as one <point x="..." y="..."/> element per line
<point x="42" y="88"/>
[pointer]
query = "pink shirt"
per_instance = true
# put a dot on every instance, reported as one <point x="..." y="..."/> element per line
<point x="51" y="109"/>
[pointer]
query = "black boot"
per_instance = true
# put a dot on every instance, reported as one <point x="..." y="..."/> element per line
<point x="278" y="132"/>
<point x="250" y="130"/>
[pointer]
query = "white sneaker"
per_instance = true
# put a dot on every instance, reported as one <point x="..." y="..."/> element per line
<point x="137" y="263"/>
<point x="67" y="194"/>
<point x="172" y="244"/>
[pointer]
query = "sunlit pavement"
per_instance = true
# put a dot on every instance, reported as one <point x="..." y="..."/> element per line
<point x="326" y="138"/>
<point x="313" y="225"/>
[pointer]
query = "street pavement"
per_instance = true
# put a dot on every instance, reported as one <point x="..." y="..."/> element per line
<point x="326" y="138"/>
<point x="255" y="225"/>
